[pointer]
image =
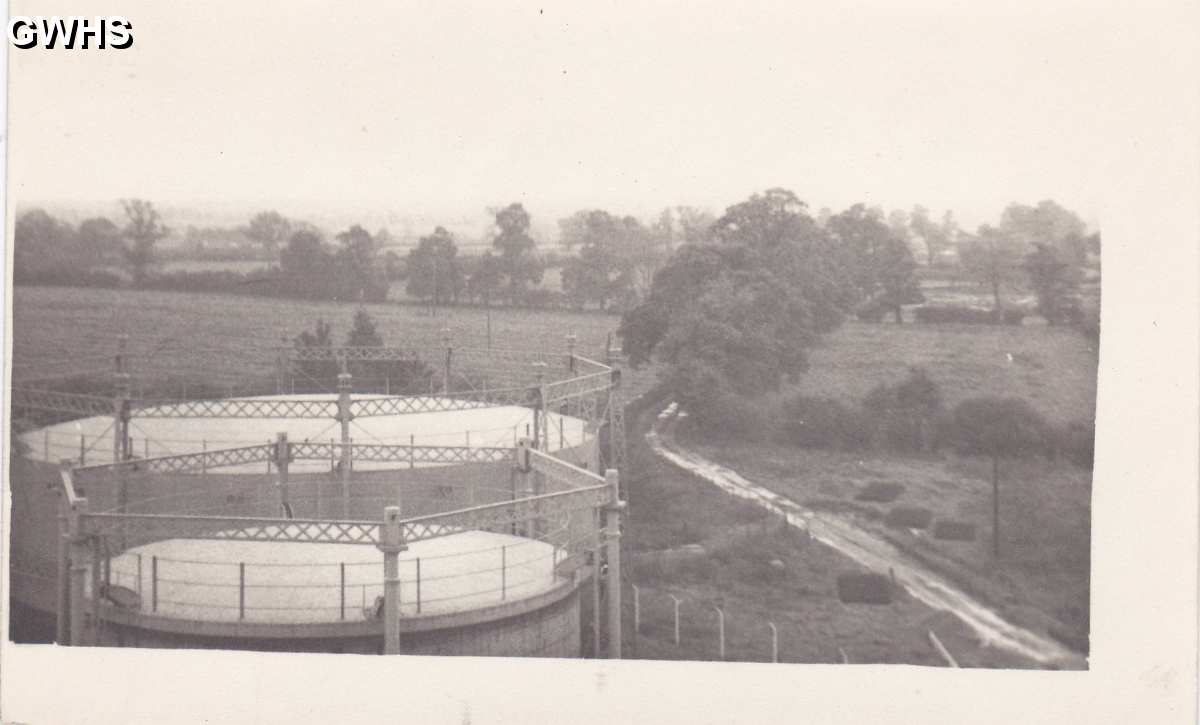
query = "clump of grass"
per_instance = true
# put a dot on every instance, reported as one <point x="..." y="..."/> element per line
<point x="909" y="517"/>
<point x="880" y="492"/>
<point x="868" y="588"/>
<point x="954" y="530"/>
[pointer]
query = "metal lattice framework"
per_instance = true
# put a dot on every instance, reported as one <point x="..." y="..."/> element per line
<point x="236" y="528"/>
<point x="51" y="401"/>
<point x="234" y="408"/>
<point x="543" y="493"/>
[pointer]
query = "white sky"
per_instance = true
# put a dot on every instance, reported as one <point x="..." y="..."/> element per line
<point x="450" y="107"/>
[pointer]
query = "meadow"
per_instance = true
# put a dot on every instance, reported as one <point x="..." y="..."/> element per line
<point x="1042" y="578"/>
<point x="230" y="339"/>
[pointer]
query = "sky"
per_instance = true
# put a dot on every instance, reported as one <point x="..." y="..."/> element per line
<point x="444" y="109"/>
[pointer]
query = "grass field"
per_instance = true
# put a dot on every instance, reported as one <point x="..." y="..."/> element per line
<point x="669" y="509"/>
<point x="228" y="339"/>
<point x="1042" y="578"/>
<point x="1054" y="368"/>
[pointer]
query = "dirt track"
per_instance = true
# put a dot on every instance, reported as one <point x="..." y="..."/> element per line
<point x="870" y="551"/>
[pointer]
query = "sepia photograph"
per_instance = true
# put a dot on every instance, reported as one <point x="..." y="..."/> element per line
<point x="466" y="335"/>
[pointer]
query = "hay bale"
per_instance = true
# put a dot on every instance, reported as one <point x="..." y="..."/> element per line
<point x="909" y="517"/>
<point x="859" y="588"/>
<point x="954" y="530"/>
<point x="880" y="492"/>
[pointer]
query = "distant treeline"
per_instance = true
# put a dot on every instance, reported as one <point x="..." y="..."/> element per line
<point x="608" y="262"/>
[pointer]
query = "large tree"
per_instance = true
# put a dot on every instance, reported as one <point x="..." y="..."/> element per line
<point x="359" y="277"/>
<point x="433" y="268"/>
<point x="736" y="316"/>
<point x="305" y="265"/>
<point x="40" y="243"/>
<point x="616" y="259"/>
<point x="271" y="230"/>
<point x="1054" y="281"/>
<point x="998" y="428"/>
<point x="1050" y="224"/>
<point x="99" y="241"/>
<point x="993" y="258"/>
<point x="143" y="229"/>
<point x="880" y="262"/>
<point x="519" y="261"/>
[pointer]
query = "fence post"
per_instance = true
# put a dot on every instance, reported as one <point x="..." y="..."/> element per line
<point x="571" y="351"/>
<point x="344" y="382"/>
<point x="241" y="590"/>
<point x="391" y="543"/>
<point x="154" y="583"/>
<point x="139" y="578"/>
<point x="449" y="355"/>
<point x="612" y="536"/>
<point x="676" y="600"/>
<point x="637" y="610"/>
<point x="82" y="449"/>
<point x="774" y="642"/>
<point x="78" y="570"/>
<point x="418" y="585"/>
<point x="95" y="572"/>
<point x="503" y="572"/>
<point x="720" y="631"/>
<point x="204" y="457"/>
<point x="412" y="453"/>
<point x="342" y="589"/>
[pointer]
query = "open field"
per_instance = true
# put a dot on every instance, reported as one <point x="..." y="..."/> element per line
<point x="669" y="509"/>
<point x="1042" y="578"/>
<point x="1054" y="368"/>
<point x="230" y="339"/>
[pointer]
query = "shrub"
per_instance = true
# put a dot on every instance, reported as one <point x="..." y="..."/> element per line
<point x="872" y="311"/>
<point x="906" y="412"/>
<point x="880" y="492"/>
<point x="909" y="517"/>
<point x="954" y="530"/>
<point x="817" y="422"/>
<point x="940" y="314"/>
<point x="1014" y="316"/>
<point x="864" y="589"/>
<point x="730" y="415"/>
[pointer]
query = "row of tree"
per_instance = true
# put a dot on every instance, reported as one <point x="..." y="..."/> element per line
<point x="44" y="245"/>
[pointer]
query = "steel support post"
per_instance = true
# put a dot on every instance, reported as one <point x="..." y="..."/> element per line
<point x="345" y="382"/>
<point x="62" y="618"/>
<point x="283" y="456"/>
<point x="391" y="543"/>
<point x="612" y="537"/>
<point x="78" y="571"/>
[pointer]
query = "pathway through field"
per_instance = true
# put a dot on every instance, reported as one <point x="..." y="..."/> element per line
<point x="869" y="550"/>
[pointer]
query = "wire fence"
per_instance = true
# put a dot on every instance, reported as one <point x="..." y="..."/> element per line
<point x="491" y="569"/>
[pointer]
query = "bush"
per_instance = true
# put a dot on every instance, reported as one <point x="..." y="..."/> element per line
<point x="909" y="517"/>
<point x="69" y="278"/>
<point x="880" y="492"/>
<point x="941" y="314"/>
<point x="816" y="422"/>
<point x="730" y="415"/>
<point x="906" y="412"/>
<point x="864" y="589"/>
<point x="1014" y="316"/>
<point x="954" y="530"/>
<point x="871" y="312"/>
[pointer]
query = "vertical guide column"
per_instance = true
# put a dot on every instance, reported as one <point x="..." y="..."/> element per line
<point x="78" y="570"/>
<point x="391" y="543"/>
<point x="344" y="417"/>
<point x="283" y="456"/>
<point x="612" y="540"/>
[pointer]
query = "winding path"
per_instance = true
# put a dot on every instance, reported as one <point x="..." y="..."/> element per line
<point x="869" y="550"/>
